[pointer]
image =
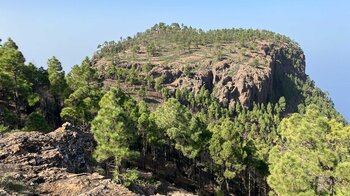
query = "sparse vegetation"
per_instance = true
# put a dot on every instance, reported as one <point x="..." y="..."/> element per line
<point x="166" y="43"/>
<point x="8" y="183"/>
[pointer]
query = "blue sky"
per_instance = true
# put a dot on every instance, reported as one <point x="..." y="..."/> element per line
<point x="72" y="29"/>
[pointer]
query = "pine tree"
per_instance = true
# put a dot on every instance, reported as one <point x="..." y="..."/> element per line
<point x="115" y="128"/>
<point x="13" y="85"/>
<point x="58" y="85"/>
<point x="226" y="148"/>
<point x="311" y="153"/>
<point x="144" y="125"/>
<point x="188" y="132"/>
<point x="82" y="104"/>
<point x="10" y="44"/>
<point x="82" y="76"/>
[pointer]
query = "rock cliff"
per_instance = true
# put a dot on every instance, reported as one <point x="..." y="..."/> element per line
<point x="258" y="78"/>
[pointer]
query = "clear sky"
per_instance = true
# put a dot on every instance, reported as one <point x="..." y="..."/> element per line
<point x="72" y="29"/>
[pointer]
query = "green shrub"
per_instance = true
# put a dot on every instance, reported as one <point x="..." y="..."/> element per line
<point x="36" y="122"/>
<point x="255" y="63"/>
<point x="187" y="70"/>
<point x="147" y="67"/>
<point x="3" y="128"/>
<point x="130" y="177"/>
<point x="9" y="184"/>
<point x="158" y="83"/>
<point x="8" y="118"/>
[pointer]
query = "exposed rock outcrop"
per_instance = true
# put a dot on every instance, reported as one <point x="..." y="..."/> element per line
<point x="38" y="163"/>
<point x="244" y="74"/>
<point x="256" y="78"/>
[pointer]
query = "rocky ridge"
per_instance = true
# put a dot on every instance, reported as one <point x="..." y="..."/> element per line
<point x="242" y="74"/>
<point x="56" y="163"/>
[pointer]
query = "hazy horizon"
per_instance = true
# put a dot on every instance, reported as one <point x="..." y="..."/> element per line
<point x="72" y="30"/>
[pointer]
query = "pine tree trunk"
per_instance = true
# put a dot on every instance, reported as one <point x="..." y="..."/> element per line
<point x="211" y="172"/>
<point x="17" y="100"/>
<point x="331" y="192"/>
<point x="144" y="152"/>
<point x="154" y="153"/>
<point x="265" y="187"/>
<point x="58" y="111"/>
<point x="227" y="186"/>
<point x="249" y="185"/>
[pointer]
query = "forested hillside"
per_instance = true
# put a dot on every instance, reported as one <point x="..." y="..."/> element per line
<point x="219" y="111"/>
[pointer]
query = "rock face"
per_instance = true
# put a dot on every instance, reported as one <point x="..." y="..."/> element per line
<point x="37" y="163"/>
<point x="244" y="75"/>
<point x="256" y="78"/>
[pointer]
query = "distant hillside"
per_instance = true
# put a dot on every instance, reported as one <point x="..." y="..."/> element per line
<point x="235" y="65"/>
